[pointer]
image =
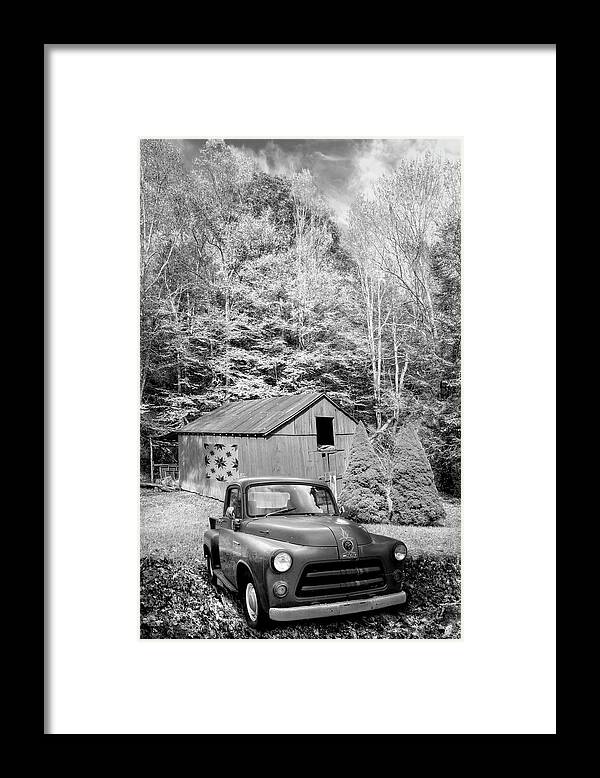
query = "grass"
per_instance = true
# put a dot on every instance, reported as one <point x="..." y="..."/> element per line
<point x="172" y="525"/>
<point x="422" y="541"/>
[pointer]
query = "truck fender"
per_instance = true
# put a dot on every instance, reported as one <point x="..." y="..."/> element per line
<point x="257" y="576"/>
<point x="211" y="544"/>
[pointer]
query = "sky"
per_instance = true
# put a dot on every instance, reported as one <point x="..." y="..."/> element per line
<point x="341" y="168"/>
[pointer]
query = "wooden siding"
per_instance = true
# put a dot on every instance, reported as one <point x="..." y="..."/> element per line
<point x="291" y="451"/>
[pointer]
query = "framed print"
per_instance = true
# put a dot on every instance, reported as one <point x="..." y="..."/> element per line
<point x="301" y="302"/>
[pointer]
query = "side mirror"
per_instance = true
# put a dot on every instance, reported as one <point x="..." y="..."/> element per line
<point x="342" y="510"/>
<point x="230" y="513"/>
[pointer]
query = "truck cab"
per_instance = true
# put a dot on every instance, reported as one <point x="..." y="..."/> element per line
<point x="284" y="546"/>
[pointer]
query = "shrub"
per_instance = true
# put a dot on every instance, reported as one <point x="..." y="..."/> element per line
<point x="364" y="494"/>
<point x="414" y="497"/>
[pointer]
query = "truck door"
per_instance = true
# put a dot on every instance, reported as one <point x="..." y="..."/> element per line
<point x="229" y="541"/>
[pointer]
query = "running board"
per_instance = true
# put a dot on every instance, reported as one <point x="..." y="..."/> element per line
<point x="223" y="581"/>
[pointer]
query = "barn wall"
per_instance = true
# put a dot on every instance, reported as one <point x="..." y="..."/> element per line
<point x="192" y="476"/>
<point x="291" y="451"/>
<point x="191" y="461"/>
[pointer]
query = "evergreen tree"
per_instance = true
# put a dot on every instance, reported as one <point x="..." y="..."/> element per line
<point x="414" y="497"/>
<point x="364" y="495"/>
<point x="443" y="423"/>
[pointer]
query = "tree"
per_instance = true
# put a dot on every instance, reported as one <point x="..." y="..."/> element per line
<point x="162" y="219"/>
<point x="364" y="492"/>
<point x="221" y="175"/>
<point x="249" y="287"/>
<point x="413" y="494"/>
<point x="442" y="419"/>
<point x="404" y="242"/>
<point x="389" y="237"/>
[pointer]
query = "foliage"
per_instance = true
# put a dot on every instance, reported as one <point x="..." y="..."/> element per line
<point x="364" y="493"/>
<point x="442" y="418"/>
<point x="405" y="242"/>
<point x="249" y="287"/>
<point x="238" y="269"/>
<point x="414" y="497"/>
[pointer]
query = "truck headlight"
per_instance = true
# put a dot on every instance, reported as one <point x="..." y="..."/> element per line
<point x="400" y="552"/>
<point x="282" y="561"/>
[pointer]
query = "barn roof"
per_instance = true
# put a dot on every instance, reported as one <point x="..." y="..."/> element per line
<point x="254" y="417"/>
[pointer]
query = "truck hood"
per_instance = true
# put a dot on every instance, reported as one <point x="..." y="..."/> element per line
<point x="308" y="530"/>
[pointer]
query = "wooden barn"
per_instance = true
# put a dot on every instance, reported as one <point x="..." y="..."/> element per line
<point x="303" y="435"/>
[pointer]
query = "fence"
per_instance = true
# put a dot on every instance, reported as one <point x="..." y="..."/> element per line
<point x="161" y="471"/>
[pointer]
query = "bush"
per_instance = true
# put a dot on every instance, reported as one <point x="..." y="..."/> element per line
<point x="364" y="494"/>
<point x="414" y="497"/>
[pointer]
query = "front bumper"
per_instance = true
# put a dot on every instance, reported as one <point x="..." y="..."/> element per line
<point x="344" y="608"/>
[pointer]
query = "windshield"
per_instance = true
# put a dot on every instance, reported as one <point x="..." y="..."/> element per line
<point x="289" y="500"/>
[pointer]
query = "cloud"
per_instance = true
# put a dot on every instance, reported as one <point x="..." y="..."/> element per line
<point x="329" y="157"/>
<point x="375" y="157"/>
<point x="341" y="168"/>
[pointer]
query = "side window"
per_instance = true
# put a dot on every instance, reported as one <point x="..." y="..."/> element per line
<point x="233" y="500"/>
<point x="323" y="500"/>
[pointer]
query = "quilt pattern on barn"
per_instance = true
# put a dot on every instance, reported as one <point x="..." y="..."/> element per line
<point x="221" y="461"/>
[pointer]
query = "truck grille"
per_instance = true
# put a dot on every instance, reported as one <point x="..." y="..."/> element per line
<point x="322" y="579"/>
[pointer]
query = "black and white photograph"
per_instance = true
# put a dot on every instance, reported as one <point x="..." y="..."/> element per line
<point x="300" y="425"/>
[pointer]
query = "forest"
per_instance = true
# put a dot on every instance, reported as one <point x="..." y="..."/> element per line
<point x="250" y="286"/>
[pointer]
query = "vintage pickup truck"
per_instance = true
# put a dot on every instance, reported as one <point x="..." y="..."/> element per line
<point x="283" y="545"/>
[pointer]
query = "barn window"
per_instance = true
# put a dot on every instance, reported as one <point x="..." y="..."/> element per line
<point x="324" y="431"/>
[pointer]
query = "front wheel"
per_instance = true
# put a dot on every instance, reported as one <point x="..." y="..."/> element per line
<point x="254" y="613"/>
